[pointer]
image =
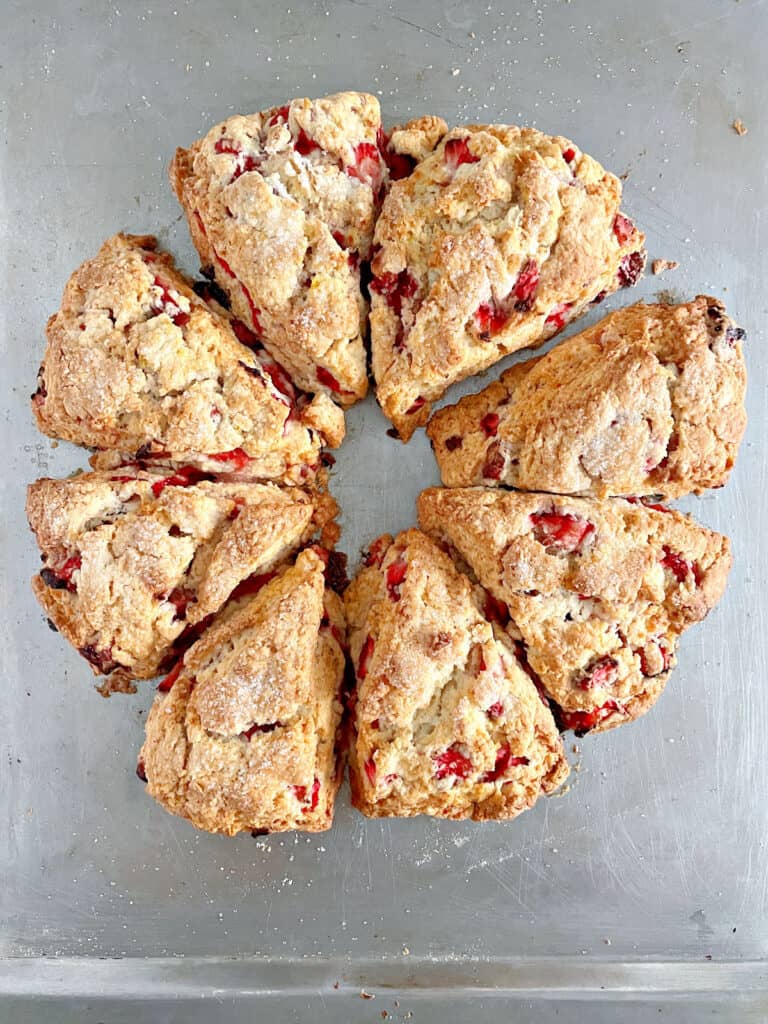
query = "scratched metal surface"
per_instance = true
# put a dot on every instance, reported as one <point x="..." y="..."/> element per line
<point x="605" y="904"/>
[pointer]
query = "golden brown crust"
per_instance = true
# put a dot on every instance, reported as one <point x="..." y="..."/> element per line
<point x="446" y="722"/>
<point x="648" y="401"/>
<point x="494" y="242"/>
<point x="246" y="737"/>
<point x="281" y="207"/>
<point x="134" y="560"/>
<point x="597" y="594"/>
<point x="137" y="361"/>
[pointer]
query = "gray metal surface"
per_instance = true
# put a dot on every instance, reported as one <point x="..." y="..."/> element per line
<point x="605" y="904"/>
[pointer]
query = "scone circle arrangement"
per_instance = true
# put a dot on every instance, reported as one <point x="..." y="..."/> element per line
<point x="547" y="585"/>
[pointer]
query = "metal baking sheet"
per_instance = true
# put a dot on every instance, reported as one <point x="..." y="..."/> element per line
<point x="644" y="887"/>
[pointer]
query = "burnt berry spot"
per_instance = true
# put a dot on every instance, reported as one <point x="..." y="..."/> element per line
<point x="454" y="442"/>
<point x="209" y="291"/>
<point x="141" y="772"/>
<point x="101" y="660"/>
<point x="53" y="580"/>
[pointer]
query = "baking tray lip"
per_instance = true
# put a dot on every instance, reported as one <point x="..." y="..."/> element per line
<point x="559" y="978"/>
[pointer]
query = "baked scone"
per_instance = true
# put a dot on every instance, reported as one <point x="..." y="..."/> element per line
<point x="135" y="562"/>
<point x="242" y="735"/>
<point x="137" y="362"/>
<point x="497" y="239"/>
<point x="281" y="208"/>
<point x="648" y="401"/>
<point x="446" y="722"/>
<point x="595" y="594"/>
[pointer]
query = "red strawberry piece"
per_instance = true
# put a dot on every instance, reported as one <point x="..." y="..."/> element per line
<point x="244" y="334"/>
<point x="101" y="660"/>
<point x="367" y="166"/>
<point x="457" y="153"/>
<point x="184" y="477"/>
<point x="603" y="673"/>
<point x="70" y="566"/>
<point x="631" y="269"/>
<point x="490" y="424"/>
<point x="166" y="684"/>
<point x="395" y="576"/>
<point x="180" y="597"/>
<point x="452" y="762"/>
<point x="395" y="287"/>
<point x="495" y="610"/>
<point x="599" y="298"/>
<point x="281" y="382"/>
<point x="237" y="458"/>
<point x="255" y="312"/>
<point x="418" y="404"/>
<point x="558" y="315"/>
<point x="61" y="579"/>
<point x="569" y="154"/>
<point x="623" y="228"/>
<point x="489" y="320"/>
<point x="303" y="144"/>
<point x="280" y="114"/>
<point x="140" y="770"/>
<point x="678" y="566"/>
<point x="375" y="724"/>
<point x="495" y="710"/>
<point x="123" y="479"/>
<point x="504" y="761"/>
<point x="454" y="442"/>
<point x="494" y="463"/>
<point x="251" y="585"/>
<point x="268" y="727"/>
<point x="245" y="161"/>
<point x="314" y="796"/>
<point x="326" y="378"/>
<point x="370" y="770"/>
<point x="400" y="166"/>
<point x="165" y="303"/>
<point x="564" y="532"/>
<point x="365" y="654"/>
<point x="374" y="554"/>
<point x="526" y="284"/>
<point x="582" y="721"/>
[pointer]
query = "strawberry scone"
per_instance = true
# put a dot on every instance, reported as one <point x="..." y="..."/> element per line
<point x="137" y="562"/>
<point x="595" y="595"/>
<point x="281" y="208"/>
<point x="648" y="401"/>
<point x="243" y="732"/>
<point x="494" y="242"/>
<point x="137" y="363"/>
<point x="446" y="722"/>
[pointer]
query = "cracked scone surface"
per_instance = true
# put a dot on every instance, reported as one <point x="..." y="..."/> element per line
<point x="496" y="240"/>
<point x="136" y="361"/>
<point x="134" y="563"/>
<point x="281" y="208"/>
<point x="446" y="722"/>
<point x="242" y="735"/>
<point x="648" y="401"/>
<point x="594" y="594"/>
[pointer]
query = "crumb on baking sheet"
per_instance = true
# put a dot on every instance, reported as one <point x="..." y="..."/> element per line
<point x="366" y="995"/>
<point x="739" y="127"/>
<point x="659" y="266"/>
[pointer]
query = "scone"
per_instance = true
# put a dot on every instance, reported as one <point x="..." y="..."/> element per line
<point x="648" y="401"/>
<point x="281" y="207"/>
<point x="446" y="722"/>
<point x="495" y="241"/>
<point x="137" y="362"/>
<point x="135" y="562"/>
<point x="595" y="594"/>
<point x="243" y="732"/>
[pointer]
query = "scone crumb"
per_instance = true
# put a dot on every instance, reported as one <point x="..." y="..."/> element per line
<point x="659" y="266"/>
<point x="739" y="127"/>
<point x="366" y="995"/>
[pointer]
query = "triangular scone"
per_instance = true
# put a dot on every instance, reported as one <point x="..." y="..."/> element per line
<point x="446" y="722"/>
<point x="243" y="732"/>
<point x="135" y="561"/>
<point x="648" y="401"/>
<point x="495" y="241"/>
<point x="281" y="208"/>
<point x="596" y="594"/>
<point x="137" y="362"/>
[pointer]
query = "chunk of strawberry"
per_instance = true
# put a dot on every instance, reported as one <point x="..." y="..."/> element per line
<point x="490" y="424"/>
<point x="374" y="554"/>
<point x="504" y="761"/>
<point x="256" y="727"/>
<point x="419" y="403"/>
<point x="603" y="673"/>
<point x="326" y="378"/>
<point x="279" y="114"/>
<point x="558" y="315"/>
<point x="180" y="597"/>
<point x="370" y="770"/>
<point x="623" y="228"/>
<point x="452" y="762"/>
<point x="367" y="167"/>
<point x="562" y="531"/>
<point x="141" y="771"/>
<point x="489" y="320"/>
<point x="237" y="458"/>
<point x="394" y="288"/>
<point x="457" y="152"/>
<point x="495" y="610"/>
<point x="526" y="284"/>
<point x="666" y="658"/>
<point x="582" y="721"/>
<point x="678" y="566"/>
<point x="569" y="154"/>
<point x="303" y="144"/>
<point x="251" y="585"/>
<point x="631" y="269"/>
<point x="395" y="576"/>
<point x="453" y="442"/>
<point x="165" y="303"/>
<point x="186" y="476"/>
<point x="365" y="654"/>
<point x="167" y="684"/>
<point x="494" y="464"/>
<point x="496" y="710"/>
<point x="399" y="165"/>
<point x="314" y="795"/>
